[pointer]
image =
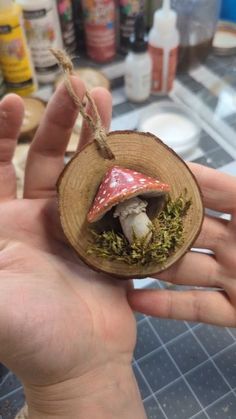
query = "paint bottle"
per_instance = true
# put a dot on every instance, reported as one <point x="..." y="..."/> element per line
<point x="100" y="36"/>
<point x="138" y="65"/>
<point x="43" y="32"/>
<point x="15" y="59"/>
<point x="129" y="9"/>
<point x="78" y="24"/>
<point x="67" y="25"/>
<point x="163" y="47"/>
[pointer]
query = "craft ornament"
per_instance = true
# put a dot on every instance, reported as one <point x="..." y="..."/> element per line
<point x="129" y="205"/>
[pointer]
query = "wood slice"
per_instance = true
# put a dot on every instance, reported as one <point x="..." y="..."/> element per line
<point x="73" y="144"/>
<point x="19" y="160"/>
<point x="23" y="413"/>
<point x="91" y="78"/>
<point x="79" y="182"/>
<point x="34" y="110"/>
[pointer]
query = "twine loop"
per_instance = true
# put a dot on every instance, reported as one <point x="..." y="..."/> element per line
<point x="95" y="123"/>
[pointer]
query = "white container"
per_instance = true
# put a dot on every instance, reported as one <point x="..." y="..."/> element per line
<point x="174" y="125"/>
<point x="138" y="65"/>
<point x="43" y="32"/>
<point x="163" y="47"/>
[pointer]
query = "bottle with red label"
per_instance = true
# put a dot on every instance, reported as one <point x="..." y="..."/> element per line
<point x="100" y="36"/>
<point x="163" y="47"/>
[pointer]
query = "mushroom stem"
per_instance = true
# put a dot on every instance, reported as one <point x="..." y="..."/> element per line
<point x="133" y="219"/>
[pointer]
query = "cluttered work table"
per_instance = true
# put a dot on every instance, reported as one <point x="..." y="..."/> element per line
<point x="184" y="370"/>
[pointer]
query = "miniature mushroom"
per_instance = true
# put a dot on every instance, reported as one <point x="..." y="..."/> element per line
<point x="120" y="187"/>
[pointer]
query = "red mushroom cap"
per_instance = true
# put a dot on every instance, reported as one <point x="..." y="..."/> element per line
<point x="120" y="184"/>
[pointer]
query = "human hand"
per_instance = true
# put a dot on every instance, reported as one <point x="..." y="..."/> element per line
<point x="217" y="271"/>
<point x="67" y="332"/>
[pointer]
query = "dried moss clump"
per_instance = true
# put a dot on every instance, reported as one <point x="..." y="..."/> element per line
<point x="167" y="235"/>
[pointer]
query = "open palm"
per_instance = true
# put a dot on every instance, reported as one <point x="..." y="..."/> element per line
<point x="58" y="320"/>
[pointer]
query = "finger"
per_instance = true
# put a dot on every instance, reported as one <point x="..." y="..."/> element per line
<point x="218" y="189"/>
<point x="194" y="269"/>
<point x="211" y="307"/>
<point x="46" y="156"/>
<point x="103" y="101"/>
<point x="213" y="235"/>
<point x="11" y="116"/>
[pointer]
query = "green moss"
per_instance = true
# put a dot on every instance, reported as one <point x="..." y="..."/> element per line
<point x="167" y="235"/>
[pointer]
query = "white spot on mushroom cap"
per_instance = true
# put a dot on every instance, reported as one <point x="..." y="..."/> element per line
<point x="113" y="184"/>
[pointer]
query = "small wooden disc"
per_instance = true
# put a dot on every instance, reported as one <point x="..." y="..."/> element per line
<point x="78" y="184"/>
<point x="73" y="144"/>
<point x="91" y="78"/>
<point x="19" y="160"/>
<point x="34" y="110"/>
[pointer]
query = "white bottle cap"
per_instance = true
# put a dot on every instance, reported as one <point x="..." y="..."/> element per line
<point x="5" y="4"/>
<point x="165" y="18"/>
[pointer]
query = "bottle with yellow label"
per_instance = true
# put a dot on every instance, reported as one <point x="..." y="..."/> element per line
<point x="15" y="59"/>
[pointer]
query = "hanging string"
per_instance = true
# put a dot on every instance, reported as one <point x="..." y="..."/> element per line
<point x="95" y="123"/>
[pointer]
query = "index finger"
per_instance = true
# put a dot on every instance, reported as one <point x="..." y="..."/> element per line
<point x="46" y="155"/>
<point x="218" y="189"/>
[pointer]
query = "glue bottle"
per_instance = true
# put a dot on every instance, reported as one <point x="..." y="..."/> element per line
<point x="138" y="64"/>
<point x="15" y="59"/>
<point x="163" y="47"/>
